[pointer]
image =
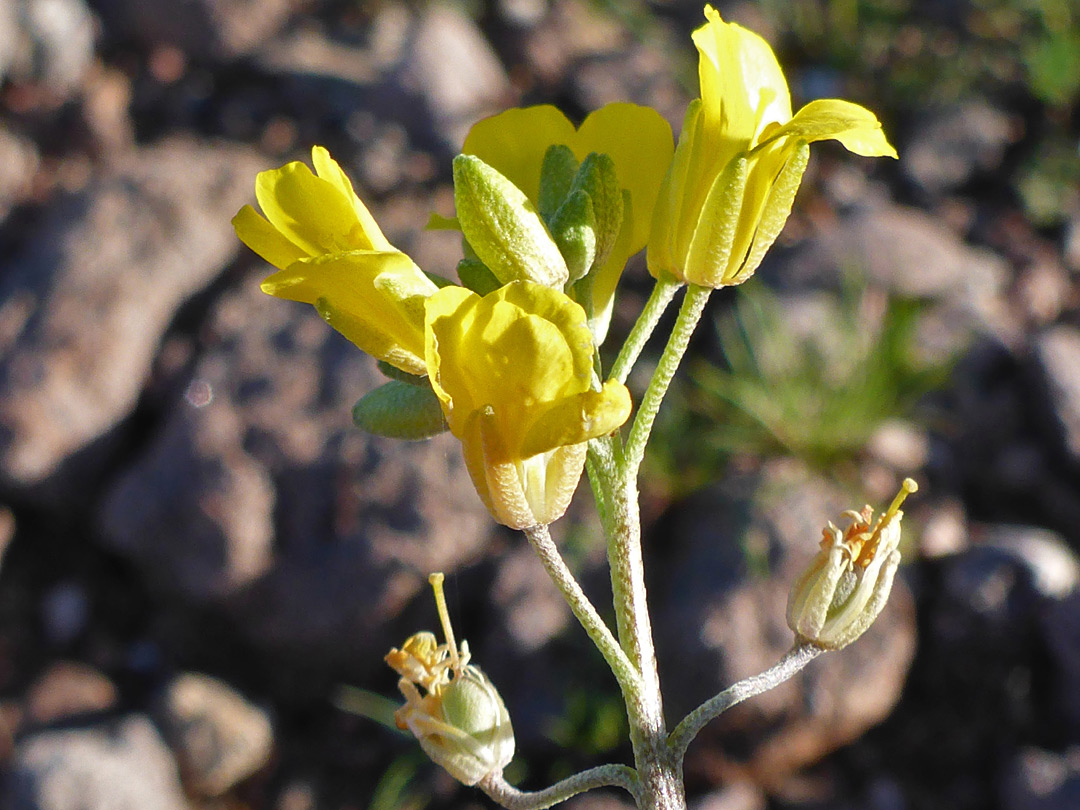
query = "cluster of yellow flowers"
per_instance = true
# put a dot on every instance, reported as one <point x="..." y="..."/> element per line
<point x="544" y="208"/>
<point x="508" y="360"/>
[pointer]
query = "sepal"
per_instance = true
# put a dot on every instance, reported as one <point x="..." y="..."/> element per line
<point x="503" y="226"/>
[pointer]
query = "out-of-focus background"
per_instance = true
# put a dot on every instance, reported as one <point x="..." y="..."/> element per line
<point x="204" y="563"/>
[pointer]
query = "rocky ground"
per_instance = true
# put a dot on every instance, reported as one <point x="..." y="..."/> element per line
<point x="200" y="552"/>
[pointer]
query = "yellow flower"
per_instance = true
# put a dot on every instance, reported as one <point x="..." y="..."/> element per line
<point x="460" y="719"/>
<point x="514" y="373"/>
<point x="847" y="584"/>
<point x="740" y="159"/>
<point x="331" y="254"/>
<point x="637" y="139"/>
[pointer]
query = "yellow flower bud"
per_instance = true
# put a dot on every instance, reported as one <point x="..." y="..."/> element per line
<point x="740" y="159"/>
<point x="847" y="584"/>
<point x="461" y="721"/>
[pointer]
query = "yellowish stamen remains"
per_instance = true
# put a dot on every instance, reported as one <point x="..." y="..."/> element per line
<point x="436" y="582"/>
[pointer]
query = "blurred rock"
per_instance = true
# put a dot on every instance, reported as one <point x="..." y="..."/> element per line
<point x="1043" y="780"/>
<point x="1056" y="353"/>
<point x="259" y="495"/>
<point x="731" y="554"/>
<point x="65" y="610"/>
<point x="910" y="254"/>
<point x="85" y="304"/>
<point x="452" y="68"/>
<point x="600" y="800"/>
<point x="122" y="765"/>
<point x="1061" y="626"/>
<point x="218" y="30"/>
<point x="18" y="162"/>
<point x="736" y="796"/>
<point x="899" y="445"/>
<point x="7" y="531"/>
<point x="220" y="738"/>
<point x="65" y="691"/>
<point x="950" y="146"/>
<point x="594" y="58"/>
<point x="1054" y="567"/>
<point x="944" y="530"/>
<point x="526" y="599"/>
<point x="46" y="42"/>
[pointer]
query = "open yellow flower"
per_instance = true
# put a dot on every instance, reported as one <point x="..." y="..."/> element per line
<point x="513" y="371"/>
<point x="740" y="159"/>
<point x="331" y="254"/>
<point x="637" y="139"/>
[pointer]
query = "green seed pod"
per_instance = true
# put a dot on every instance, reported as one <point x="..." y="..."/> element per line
<point x="596" y="177"/>
<point x="400" y="410"/>
<point x="556" y="177"/>
<point x="476" y="737"/>
<point x="574" y="230"/>
<point x="503" y="227"/>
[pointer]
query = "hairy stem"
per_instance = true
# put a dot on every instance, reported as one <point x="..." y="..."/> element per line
<point x="794" y="660"/>
<point x="689" y="314"/>
<point x="625" y="673"/>
<point x="511" y="798"/>
<point x="662" y="293"/>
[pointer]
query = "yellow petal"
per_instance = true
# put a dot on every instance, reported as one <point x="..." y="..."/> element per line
<point x="266" y="240"/>
<point x="661" y="256"/>
<point x="742" y="86"/>
<point x="328" y="169"/>
<point x="309" y="211"/>
<point x="375" y="299"/>
<point x="640" y="144"/>
<point x="854" y="126"/>
<point x="514" y="142"/>
<point x="579" y="418"/>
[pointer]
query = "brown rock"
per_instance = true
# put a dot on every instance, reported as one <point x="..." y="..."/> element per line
<point x="86" y="304"/>
<point x="219" y="737"/>
<point x="66" y="690"/>
<point x="260" y="496"/>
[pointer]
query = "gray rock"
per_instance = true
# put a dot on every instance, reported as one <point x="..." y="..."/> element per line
<point x="259" y="496"/>
<point x="719" y="600"/>
<point x="204" y="29"/>
<point x="123" y="765"/>
<point x="86" y="303"/>
<point x="46" y="42"/>
<point x="219" y="737"/>
<point x="1056" y="353"/>
<point x="952" y="145"/>
<point x="1043" y="780"/>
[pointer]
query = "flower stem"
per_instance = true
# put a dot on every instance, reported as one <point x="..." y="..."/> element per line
<point x="603" y="776"/>
<point x="662" y="293"/>
<point x="689" y="314"/>
<point x="794" y="660"/>
<point x="625" y="673"/>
